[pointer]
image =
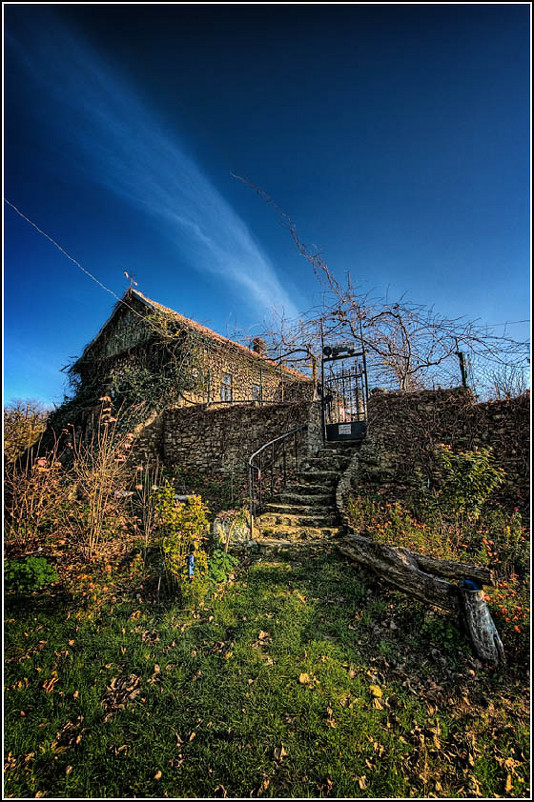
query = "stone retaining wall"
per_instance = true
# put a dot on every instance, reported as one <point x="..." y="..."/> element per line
<point x="220" y="440"/>
<point x="404" y="428"/>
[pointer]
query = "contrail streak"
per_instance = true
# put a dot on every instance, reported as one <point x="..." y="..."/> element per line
<point x="128" y="150"/>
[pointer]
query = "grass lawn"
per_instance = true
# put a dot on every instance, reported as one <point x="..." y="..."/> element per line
<point x="303" y="678"/>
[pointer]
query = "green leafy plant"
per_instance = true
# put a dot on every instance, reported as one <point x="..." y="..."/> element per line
<point x="25" y="576"/>
<point x="221" y="565"/>
<point x="441" y="631"/>
<point x="466" y="479"/>
<point x="184" y="528"/>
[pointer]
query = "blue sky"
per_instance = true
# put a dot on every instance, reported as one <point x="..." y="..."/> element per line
<point x="397" y="137"/>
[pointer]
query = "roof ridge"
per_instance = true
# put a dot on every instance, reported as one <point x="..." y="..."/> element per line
<point x="200" y="328"/>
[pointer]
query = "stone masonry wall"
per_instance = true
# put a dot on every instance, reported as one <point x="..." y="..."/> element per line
<point x="247" y="374"/>
<point x="404" y="428"/>
<point x="220" y="440"/>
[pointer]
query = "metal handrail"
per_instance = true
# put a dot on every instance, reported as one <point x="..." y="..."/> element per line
<point x="256" y="468"/>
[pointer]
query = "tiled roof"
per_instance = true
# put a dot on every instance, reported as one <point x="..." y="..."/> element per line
<point x="204" y="331"/>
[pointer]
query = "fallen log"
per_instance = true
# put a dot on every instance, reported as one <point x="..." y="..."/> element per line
<point x="420" y="577"/>
<point x="399" y="566"/>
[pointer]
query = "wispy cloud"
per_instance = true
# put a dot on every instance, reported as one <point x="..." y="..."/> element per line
<point x="128" y="150"/>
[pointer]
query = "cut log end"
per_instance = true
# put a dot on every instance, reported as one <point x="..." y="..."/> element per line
<point x="483" y="632"/>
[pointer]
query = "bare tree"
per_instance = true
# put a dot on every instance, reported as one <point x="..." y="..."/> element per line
<point x="409" y="346"/>
<point x="24" y="423"/>
<point x="508" y="381"/>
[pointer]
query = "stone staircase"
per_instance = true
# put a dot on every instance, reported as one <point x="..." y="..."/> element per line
<point x="306" y="510"/>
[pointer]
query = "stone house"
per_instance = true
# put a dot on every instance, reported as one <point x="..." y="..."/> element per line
<point x="147" y="353"/>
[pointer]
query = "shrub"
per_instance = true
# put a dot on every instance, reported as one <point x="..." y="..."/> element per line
<point x="99" y="477"/>
<point x="183" y="528"/>
<point x="221" y="565"/>
<point x="466" y="480"/>
<point x="36" y="494"/>
<point x="25" y="576"/>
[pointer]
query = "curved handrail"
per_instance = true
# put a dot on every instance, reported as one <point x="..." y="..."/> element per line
<point x="276" y="439"/>
<point x="252" y="467"/>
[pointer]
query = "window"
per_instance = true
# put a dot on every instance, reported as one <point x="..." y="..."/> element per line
<point x="226" y="387"/>
<point x="256" y="392"/>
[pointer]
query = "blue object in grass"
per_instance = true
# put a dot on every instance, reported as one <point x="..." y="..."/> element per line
<point x="191" y="566"/>
<point x="470" y="584"/>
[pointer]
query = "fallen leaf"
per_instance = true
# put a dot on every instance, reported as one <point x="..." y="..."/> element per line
<point x="49" y="684"/>
<point x="280" y="753"/>
<point x="362" y="782"/>
<point x="304" y="679"/>
<point x="157" y="775"/>
<point x="376" y="691"/>
<point x="509" y="785"/>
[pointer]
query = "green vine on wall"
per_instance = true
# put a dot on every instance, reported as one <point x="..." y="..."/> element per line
<point x="162" y="371"/>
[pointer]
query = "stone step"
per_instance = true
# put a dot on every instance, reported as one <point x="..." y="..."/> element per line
<point x="331" y="462"/>
<point x="298" y="509"/>
<point x="320" y="476"/>
<point x="301" y="499"/>
<point x="312" y="489"/>
<point x="270" y="519"/>
<point x="300" y="533"/>
<point x="270" y="546"/>
<point x="342" y="447"/>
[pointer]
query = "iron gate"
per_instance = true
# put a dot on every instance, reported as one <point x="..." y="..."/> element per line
<point x="344" y="393"/>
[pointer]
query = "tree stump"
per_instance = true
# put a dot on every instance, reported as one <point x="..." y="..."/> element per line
<point x="482" y="630"/>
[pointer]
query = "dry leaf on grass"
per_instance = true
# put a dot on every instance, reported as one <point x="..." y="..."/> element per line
<point x="69" y="736"/>
<point x="279" y="753"/>
<point x="121" y="690"/>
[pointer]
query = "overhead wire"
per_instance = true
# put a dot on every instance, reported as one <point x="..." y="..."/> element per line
<point x="145" y="319"/>
<point x="80" y="266"/>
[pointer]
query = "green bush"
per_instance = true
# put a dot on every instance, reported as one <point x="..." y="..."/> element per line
<point x="25" y="576"/>
<point x="220" y="565"/>
<point x="466" y="479"/>
<point x="183" y="528"/>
